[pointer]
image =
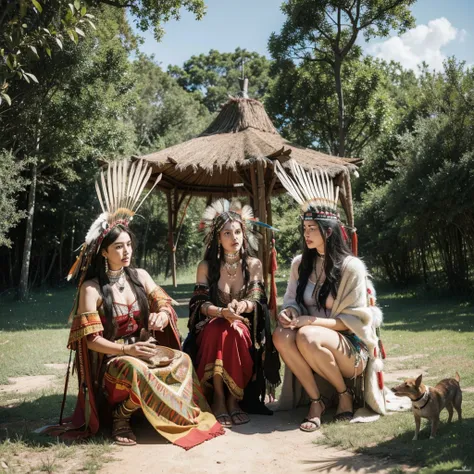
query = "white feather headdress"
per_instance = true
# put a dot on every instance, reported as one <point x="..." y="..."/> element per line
<point x="222" y="211"/>
<point x="119" y="194"/>
<point x="313" y="190"/>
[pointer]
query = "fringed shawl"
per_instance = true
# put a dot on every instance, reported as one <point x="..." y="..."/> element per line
<point x="355" y="306"/>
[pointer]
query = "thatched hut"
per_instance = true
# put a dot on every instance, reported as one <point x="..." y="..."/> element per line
<point x="235" y="156"/>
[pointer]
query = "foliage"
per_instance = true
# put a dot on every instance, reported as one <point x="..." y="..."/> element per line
<point x="215" y="76"/>
<point x="326" y="31"/>
<point x="305" y="108"/>
<point x="11" y="183"/>
<point x="164" y="114"/>
<point x="32" y="30"/>
<point x="76" y="115"/>
<point x="420" y="221"/>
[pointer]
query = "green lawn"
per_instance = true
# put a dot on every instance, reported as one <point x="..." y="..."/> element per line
<point x="438" y="332"/>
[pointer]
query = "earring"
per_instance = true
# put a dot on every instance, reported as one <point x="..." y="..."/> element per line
<point x="106" y="265"/>
<point x="219" y="251"/>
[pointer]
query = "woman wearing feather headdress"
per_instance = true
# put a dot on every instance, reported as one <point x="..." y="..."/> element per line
<point x="125" y="336"/>
<point x="328" y="327"/>
<point x="229" y="331"/>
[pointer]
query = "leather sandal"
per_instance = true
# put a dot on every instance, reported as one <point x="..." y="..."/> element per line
<point x="121" y="429"/>
<point x="224" y="419"/>
<point x="316" y="420"/>
<point x="237" y="413"/>
<point x="345" y="415"/>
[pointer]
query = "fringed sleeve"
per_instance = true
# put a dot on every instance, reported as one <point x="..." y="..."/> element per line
<point x="265" y="356"/>
<point x="197" y="320"/>
<point x="83" y="325"/>
<point x="159" y="300"/>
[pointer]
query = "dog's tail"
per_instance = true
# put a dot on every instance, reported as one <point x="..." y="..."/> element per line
<point x="457" y="376"/>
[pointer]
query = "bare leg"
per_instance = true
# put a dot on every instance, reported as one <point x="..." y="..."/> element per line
<point x="121" y="430"/>
<point x="218" y="402"/>
<point x="285" y="342"/>
<point x="329" y="355"/>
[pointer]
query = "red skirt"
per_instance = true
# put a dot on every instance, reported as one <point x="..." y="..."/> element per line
<point x="225" y="350"/>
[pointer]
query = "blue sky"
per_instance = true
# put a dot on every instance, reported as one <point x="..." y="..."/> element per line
<point x="444" y="28"/>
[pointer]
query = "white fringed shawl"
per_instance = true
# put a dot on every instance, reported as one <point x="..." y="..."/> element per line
<point x="352" y="307"/>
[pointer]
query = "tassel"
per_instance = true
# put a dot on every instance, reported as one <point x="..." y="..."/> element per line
<point x="380" y="380"/>
<point x="344" y="233"/>
<point x="382" y="349"/>
<point x="355" y="243"/>
<point x="273" y="288"/>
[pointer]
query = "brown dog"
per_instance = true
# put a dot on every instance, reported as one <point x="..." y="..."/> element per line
<point x="427" y="402"/>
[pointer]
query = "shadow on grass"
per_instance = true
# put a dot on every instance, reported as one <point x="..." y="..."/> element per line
<point x="45" y="310"/>
<point x="18" y="421"/>
<point x="453" y="444"/>
<point x="421" y="313"/>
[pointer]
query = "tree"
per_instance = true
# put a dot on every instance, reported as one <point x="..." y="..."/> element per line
<point x="11" y="184"/>
<point x="417" y="224"/>
<point x="30" y="30"/>
<point x="78" y="113"/>
<point x="304" y="107"/>
<point x="326" y="31"/>
<point x="215" y="76"/>
<point x="164" y="114"/>
<point x="33" y="29"/>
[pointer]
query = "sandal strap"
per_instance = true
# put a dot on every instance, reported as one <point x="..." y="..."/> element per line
<point x="347" y="390"/>
<point x="316" y="400"/>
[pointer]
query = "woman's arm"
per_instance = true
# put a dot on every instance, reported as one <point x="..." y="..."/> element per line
<point x="208" y="309"/>
<point x="160" y="318"/>
<point x="89" y="298"/>
<point x="330" y="323"/>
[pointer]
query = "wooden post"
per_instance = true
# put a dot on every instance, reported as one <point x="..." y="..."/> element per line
<point x="262" y="215"/>
<point x="169" y="200"/>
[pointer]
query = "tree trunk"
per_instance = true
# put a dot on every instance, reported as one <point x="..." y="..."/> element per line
<point x="341" y="109"/>
<point x="61" y="245"/>
<point x="25" y="267"/>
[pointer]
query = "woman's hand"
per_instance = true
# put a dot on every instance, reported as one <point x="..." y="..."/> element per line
<point x="140" y="349"/>
<point x="158" y="321"/>
<point x="286" y="317"/>
<point x="239" y="307"/>
<point x="300" y="321"/>
<point x="232" y="316"/>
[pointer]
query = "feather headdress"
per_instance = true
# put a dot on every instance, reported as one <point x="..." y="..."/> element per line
<point x="119" y="191"/>
<point x="222" y="211"/>
<point x="313" y="190"/>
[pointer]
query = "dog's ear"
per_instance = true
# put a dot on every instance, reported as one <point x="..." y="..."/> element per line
<point x="418" y="380"/>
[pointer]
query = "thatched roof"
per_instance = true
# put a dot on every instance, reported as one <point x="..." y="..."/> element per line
<point x="240" y="135"/>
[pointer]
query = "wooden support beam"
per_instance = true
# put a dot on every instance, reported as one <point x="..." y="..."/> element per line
<point x="262" y="215"/>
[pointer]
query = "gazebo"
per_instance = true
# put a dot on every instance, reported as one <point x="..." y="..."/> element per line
<point x="235" y="156"/>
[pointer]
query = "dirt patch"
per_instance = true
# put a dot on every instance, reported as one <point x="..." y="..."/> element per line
<point x="266" y="445"/>
<point x="400" y="375"/>
<point x="27" y="384"/>
<point x="468" y="389"/>
<point x="407" y="357"/>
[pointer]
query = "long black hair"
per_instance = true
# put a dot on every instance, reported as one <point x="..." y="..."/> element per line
<point x="214" y="263"/>
<point x="335" y="251"/>
<point x="97" y="270"/>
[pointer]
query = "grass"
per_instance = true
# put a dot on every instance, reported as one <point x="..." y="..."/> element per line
<point x="439" y="333"/>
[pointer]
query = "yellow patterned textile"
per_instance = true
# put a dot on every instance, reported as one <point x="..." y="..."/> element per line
<point x="82" y="325"/>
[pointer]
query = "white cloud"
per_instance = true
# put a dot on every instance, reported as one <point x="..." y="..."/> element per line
<point x="422" y="43"/>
